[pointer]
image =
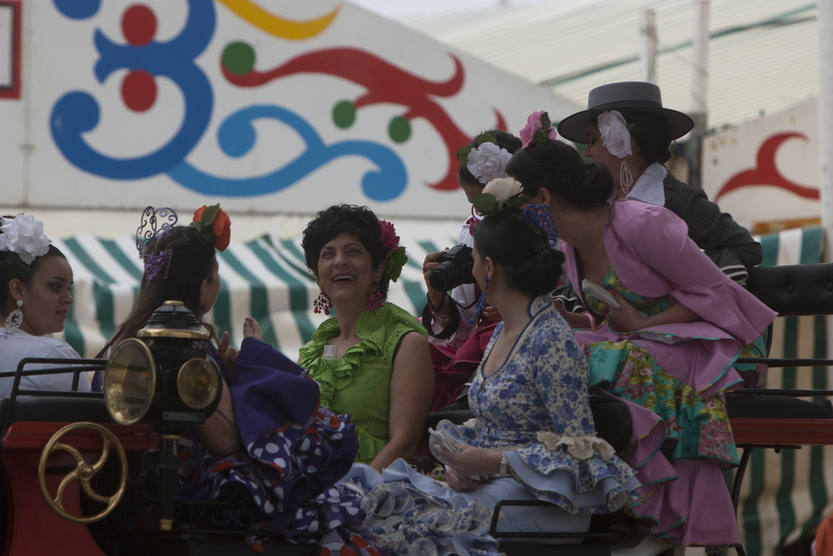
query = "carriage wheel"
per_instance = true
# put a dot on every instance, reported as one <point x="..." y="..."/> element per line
<point x="83" y="471"/>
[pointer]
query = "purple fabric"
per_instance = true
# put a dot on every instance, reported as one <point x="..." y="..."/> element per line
<point x="293" y="452"/>
<point x="693" y="493"/>
<point x="650" y="250"/>
<point x="269" y="390"/>
<point x="652" y="255"/>
<point x="701" y="364"/>
<point x="157" y="265"/>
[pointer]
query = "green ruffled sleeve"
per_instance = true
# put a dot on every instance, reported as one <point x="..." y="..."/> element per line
<point x="310" y="358"/>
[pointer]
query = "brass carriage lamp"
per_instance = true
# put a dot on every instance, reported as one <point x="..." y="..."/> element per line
<point x="164" y="377"/>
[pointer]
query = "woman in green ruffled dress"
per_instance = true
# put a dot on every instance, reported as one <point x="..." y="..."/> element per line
<point x="371" y="360"/>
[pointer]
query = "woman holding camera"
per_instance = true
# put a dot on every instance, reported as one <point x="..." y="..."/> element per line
<point x="458" y="336"/>
<point x="371" y="359"/>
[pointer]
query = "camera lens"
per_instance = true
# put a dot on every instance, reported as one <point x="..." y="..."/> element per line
<point x="455" y="269"/>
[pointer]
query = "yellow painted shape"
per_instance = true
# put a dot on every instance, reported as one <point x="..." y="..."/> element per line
<point x="279" y="26"/>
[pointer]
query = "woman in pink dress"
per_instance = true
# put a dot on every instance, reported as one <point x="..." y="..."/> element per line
<point x="668" y="326"/>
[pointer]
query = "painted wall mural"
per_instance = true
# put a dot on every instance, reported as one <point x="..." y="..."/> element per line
<point x="765" y="172"/>
<point x="267" y="106"/>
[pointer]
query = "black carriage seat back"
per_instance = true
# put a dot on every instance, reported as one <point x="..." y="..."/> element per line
<point x="52" y="406"/>
<point x="59" y="409"/>
<point x="797" y="289"/>
<point x="790" y="290"/>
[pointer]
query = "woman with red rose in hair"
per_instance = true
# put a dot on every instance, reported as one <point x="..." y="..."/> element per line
<point x="371" y="359"/>
<point x="269" y="443"/>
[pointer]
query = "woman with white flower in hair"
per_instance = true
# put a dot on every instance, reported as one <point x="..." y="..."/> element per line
<point x="457" y="335"/>
<point x="35" y="297"/>
<point x="626" y="129"/>
<point x="532" y="436"/>
<point x="668" y="327"/>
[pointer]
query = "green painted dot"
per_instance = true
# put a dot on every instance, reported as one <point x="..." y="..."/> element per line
<point x="344" y="114"/>
<point x="239" y="58"/>
<point x="399" y="129"/>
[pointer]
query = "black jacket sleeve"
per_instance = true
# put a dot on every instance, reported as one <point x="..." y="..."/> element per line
<point x="726" y="242"/>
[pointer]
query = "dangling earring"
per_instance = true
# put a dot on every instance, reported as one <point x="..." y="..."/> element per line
<point x="481" y="302"/>
<point x="322" y="304"/>
<point x="15" y="318"/>
<point x="376" y="297"/>
<point x="625" y="177"/>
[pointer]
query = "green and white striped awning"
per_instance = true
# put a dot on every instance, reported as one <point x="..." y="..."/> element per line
<point x="784" y="495"/>
<point x="265" y="277"/>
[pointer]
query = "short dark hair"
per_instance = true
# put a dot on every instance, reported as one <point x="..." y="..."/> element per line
<point x="191" y="262"/>
<point x="559" y="168"/>
<point x="522" y="249"/>
<point x="12" y="267"/>
<point x="504" y="140"/>
<point x="336" y="220"/>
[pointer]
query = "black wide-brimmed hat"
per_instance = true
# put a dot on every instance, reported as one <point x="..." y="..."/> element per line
<point x="634" y="95"/>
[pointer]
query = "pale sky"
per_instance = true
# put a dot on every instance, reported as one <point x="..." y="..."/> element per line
<point x="414" y="8"/>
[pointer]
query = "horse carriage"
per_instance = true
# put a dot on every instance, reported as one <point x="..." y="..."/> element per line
<point x="96" y="473"/>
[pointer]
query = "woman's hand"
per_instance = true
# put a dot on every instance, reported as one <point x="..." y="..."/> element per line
<point x="470" y="460"/>
<point x="626" y="318"/>
<point x="458" y="482"/>
<point x="431" y="261"/>
<point x="490" y="315"/>
<point x="229" y="356"/>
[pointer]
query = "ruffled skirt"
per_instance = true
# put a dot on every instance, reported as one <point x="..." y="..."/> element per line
<point x="681" y="440"/>
<point x="287" y="473"/>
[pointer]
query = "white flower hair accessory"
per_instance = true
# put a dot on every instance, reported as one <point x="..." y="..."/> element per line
<point x="499" y="194"/>
<point x="616" y="137"/>
<point x="487" y="162"/>
<point x="24" y="235"/>
<point x="503" y="189"/>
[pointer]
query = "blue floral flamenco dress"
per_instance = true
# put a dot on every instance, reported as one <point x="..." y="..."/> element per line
<point x="294" y="452"/>
<point x="535" y="407"/>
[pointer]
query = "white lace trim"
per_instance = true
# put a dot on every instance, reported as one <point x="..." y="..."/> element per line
<point x="580" y="447"/>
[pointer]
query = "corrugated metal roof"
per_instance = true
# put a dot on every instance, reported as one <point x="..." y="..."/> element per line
<point x="763" y="54"/>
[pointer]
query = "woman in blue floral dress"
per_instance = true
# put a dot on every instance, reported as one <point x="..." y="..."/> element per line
<point x="532" y="437"/>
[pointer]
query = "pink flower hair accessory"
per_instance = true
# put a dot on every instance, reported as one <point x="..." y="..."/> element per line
<point x="395" y="258"/>
<point x="388" y="234"/>
<point x="537" y="130"/>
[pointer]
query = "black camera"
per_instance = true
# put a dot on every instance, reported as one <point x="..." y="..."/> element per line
<point x="454" y="269"/>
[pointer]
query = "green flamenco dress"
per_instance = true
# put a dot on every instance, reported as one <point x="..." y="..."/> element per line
<point x="358" y="383"/>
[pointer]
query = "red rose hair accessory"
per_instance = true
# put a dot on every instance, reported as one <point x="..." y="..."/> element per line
<point x="395" y="258"/>
<point x="213" y="225"/>
<point x="537" y="130"/>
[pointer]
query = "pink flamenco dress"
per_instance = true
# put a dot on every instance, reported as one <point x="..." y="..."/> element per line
<point x="673" y="377"/>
